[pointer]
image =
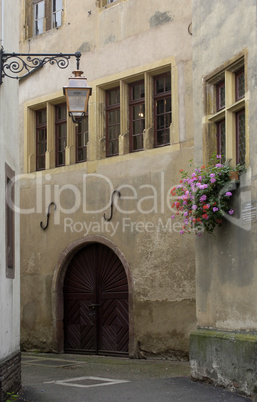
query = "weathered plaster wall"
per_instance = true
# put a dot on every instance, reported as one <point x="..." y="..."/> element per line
<point x="10" y="375"/>
<point x="226" y="264"/>
<point x="122" y="37"/>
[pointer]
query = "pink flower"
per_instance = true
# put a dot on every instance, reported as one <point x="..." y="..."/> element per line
<point x="228" y="194"/>
<point x="194" y="207"/>
<point x="231" y="211"/>
<point x="173" y="217"/>
<point x="213" y="180"/>
<point x="203" y="198"/>
<point x="215" y="209"/>
<point x="218" y="156"/>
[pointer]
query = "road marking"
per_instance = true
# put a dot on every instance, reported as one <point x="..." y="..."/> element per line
<point x="102" y="382"/>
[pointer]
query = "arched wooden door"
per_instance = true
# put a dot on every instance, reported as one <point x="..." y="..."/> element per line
<point x="96" y="303"/>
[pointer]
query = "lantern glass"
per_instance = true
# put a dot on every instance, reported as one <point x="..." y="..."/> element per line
<point x="77" y="100"/>
<point x="77" y="94"/>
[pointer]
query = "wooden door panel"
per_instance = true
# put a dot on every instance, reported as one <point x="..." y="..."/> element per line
<point x="96" y="302"/>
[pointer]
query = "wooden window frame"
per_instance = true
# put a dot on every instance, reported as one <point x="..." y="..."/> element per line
<point x="237" y="116"/>
<point x="42" y="126"/>
<point x="228" y="73"/>
<point x="157" y="97"/>
<point x="109" y="109"/>
<point x="48" y="21"/>
<point x="9" y="222"/>
<point x="219" y="87"/>
<point x="58" y="123"/>
<point x="78" y="133"/>
<point x="219" y="140"/>
<point x="132" y="103"/>
<point x="237" y="77"/>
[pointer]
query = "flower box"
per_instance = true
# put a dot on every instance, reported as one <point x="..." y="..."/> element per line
<point x="234" y="175"/>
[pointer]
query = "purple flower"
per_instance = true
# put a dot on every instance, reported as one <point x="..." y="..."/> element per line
<point x="215" y="209"/>
<point x="218" y="165"/>
<point x="194" y="207"/>
<point x="203" y="198"/>
<point x="231" y="211"/>
<point x="181" y="232"/>
<point x="213" y="180"/>
<point x="218" y="156"/>
<point x="228" y="194"/>
<point x="185" y="213"/>
<point x="203" y="186"/>
<point x="212" y="175"/>
<point x="173" y="217"/>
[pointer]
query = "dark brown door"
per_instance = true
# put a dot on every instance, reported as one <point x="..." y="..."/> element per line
<point x="96" y="303"/>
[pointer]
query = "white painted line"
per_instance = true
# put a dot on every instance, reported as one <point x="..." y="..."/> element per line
<point x="70" y="381"/>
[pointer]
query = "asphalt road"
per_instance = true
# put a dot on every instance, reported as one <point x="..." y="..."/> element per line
<point x="72" y="378"/>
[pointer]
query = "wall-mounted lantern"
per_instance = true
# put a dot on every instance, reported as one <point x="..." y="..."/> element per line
<point x="20" y="65"/>
<point x="77" y="94"/>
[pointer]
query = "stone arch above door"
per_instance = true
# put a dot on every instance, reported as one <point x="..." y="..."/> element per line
<point x="57" y="288"/>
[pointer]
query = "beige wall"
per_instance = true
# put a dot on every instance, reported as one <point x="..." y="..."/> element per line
<point x="122" y="42"/>
<point x="226" y="263"/>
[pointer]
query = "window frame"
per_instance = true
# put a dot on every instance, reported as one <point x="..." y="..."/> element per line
<point x="39" y="127"/>
<point x="228" y="72"/>
<point x="86" y="133"/>
<point x="110" y="109"/>
<point x="9" y="222"/>
<point x="133" y="103"/>
<point x="58" y="123"/>
<point x="157" y="97"/>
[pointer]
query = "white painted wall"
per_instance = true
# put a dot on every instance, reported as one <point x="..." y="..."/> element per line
<point x="9" y="153"/>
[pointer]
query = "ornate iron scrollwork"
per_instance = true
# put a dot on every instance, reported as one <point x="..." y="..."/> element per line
<point x="20" y="65"/>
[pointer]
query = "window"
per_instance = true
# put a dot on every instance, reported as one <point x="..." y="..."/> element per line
<point x="41" y="138"/>
<point x="60" y="133"/>
<point x="82" y="140"/>
<point x="137" y="115"/>
<point x="132" y="113"/>
<point x="112" y="121"/>
<point x="221" y="139"/>
<point x="9" y="222"/>
<point x="162" y="104"/>
<point x="104" y="3"/>
<point x="42" y="15"/>
<point x="56" y="13"/>
<point x="220" y="95"/>
<point x="39" y="15"/>
<point x="240" y="137"/>
<point x="225" y="107"/>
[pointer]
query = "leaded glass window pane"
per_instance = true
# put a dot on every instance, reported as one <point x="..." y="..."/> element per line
<point x="220" y="94"/>
<point x="240" y="85"/>
<point x="240" y="136"/>
<point x="221" y="140"/>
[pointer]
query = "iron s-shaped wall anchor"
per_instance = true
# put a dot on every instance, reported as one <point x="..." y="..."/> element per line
<point x="112" y="197"/>
<point x="47" y="216"/>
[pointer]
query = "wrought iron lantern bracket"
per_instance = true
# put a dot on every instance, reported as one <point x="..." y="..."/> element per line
<point x="20" y="65"/>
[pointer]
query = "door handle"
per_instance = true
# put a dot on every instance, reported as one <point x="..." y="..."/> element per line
<point x="93" y="306"/>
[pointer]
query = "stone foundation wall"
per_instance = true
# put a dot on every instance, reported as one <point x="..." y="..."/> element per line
<point x="10" y="375"/>
<point x="228" y="359"/>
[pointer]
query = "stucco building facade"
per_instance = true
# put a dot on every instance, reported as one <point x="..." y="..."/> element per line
<point x="10" y="367"/>
<point x="92" y="282"/>
<point x="223" y="348"/>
